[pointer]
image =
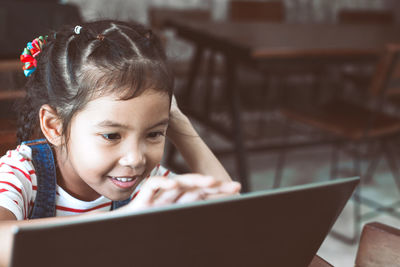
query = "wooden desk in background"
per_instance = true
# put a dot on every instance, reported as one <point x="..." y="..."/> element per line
<point x="273" y="44"/>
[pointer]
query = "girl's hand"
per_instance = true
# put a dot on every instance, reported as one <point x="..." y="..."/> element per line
<point x="174" y="110"/>
<point x="160" y="191"/>
<point x="179" y="123"/>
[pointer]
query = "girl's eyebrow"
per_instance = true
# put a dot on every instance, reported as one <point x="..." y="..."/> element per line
<point x="113" y="124"/>
<point x="163" y="122"/>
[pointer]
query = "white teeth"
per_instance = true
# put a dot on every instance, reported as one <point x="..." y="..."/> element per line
<point x="124" y="180"/>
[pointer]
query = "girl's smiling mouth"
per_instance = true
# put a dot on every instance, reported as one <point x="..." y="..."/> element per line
<point x="125" y="182"/>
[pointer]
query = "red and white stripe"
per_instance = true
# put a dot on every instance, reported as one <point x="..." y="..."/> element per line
<point x="18" y="187"/>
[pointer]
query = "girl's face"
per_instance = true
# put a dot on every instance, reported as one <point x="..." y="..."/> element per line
<point x="114" y="144"/>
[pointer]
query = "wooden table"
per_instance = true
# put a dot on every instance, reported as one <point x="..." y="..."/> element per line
<point x="274" y="43"/>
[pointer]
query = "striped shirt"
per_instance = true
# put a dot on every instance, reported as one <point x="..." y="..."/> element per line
<point x="18" y="186"/>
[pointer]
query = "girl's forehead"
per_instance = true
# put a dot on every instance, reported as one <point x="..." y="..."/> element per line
<point x="141" y="112"/>
<point x="148" y="98"/>
<point x="121" y="96"/>
<point x="126" y="83"/>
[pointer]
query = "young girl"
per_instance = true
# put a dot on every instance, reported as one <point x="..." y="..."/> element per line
<point x="99" y="106"/>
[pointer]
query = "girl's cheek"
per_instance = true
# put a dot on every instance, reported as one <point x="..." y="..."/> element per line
<point x="156" y="155"/>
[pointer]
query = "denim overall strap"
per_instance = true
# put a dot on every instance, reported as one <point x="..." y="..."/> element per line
<point x="116" y="204"/>
<point x="43" y="161"/>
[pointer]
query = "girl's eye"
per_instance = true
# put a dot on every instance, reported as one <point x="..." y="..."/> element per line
<point x="112" y="136"/>
<point x="154" y="135"/>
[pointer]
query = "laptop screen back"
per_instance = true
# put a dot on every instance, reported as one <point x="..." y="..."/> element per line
<point x="283" y="227"/>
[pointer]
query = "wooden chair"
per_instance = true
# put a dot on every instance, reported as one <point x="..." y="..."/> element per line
<point x="359" y="76"/>
<point x="319" y="262"/>
<point x="158" y="17"/>
<point x="365" y="16"/>
<point x="379" y="246"/>
<point x="269" y="83"/>
<point x="252" y="11"/>
<point x="213" y="70"/>
<point x="259" y="81"/>
<point x="393" y="99"/>
<point x="158" y="20"/>
<point x="350" y="124"/>
<point x="240" y="10"/>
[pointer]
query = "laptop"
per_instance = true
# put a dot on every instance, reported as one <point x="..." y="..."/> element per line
<point x="282" y="227"/>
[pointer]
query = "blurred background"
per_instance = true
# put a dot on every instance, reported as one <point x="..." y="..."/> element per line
<point x="285" y="92"/>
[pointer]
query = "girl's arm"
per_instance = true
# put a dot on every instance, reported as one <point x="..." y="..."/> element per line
<point x="193" y="149"/>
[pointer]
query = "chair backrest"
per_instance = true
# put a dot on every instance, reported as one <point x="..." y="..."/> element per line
<point x="387" y="72"/>
<point x="379" y="246"/>
<point x="158" y="15"/>
<point x="365" y="16"/>
<point x="243" y="10"/>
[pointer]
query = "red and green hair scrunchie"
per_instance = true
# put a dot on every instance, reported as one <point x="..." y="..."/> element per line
<point x="30" y="52"/>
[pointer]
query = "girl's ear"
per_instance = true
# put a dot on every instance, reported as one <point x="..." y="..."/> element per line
<point x="51" y="125"/>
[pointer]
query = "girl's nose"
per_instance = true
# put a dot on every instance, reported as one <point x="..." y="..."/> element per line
<point x="134" y="158"/>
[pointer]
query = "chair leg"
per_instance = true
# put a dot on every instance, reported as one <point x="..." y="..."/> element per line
<point x="377" y="152"/>
<point x="357" y="194"/>
<point x="391" y="209"/>
<point x="193" y="71"/>
<point x="237" y="126"/>
<point x="358" y="200"/>
<point x="279" y="169"/>
<point x="209" y="84"/>
<point x="335" y="160"/>
<point x="391" y="159"/>
<point x="357" y="212"/>
<point x="282" y="156"/>
<point x="357" y="205"/>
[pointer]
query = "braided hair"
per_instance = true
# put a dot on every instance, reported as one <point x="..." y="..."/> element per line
<point x="99" y="58"/>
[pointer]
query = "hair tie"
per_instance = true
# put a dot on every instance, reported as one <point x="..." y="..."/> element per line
<point x="31" y="51"/>
<point x="77" y="29"/>
<point x="100" y="37"/>
<point x="148" y="35"/>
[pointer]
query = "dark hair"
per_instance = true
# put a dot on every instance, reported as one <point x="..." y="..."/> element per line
<point x="105" y="57"/>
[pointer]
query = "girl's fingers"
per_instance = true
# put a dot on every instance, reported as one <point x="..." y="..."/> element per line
<point x="210" y="184"/>
<point x="158" y="191"/>
<point x="216" y="196"/>
<point x="150" y="190"/>
<point x="186" y="189"/>
<point x="223" y="188"/>
<point x="167" y="196"/>
<point x="199" y="187"/>
<point x="195" y="180"/>
<point x="191" y="196"/>
<point x="230" y="188"/>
